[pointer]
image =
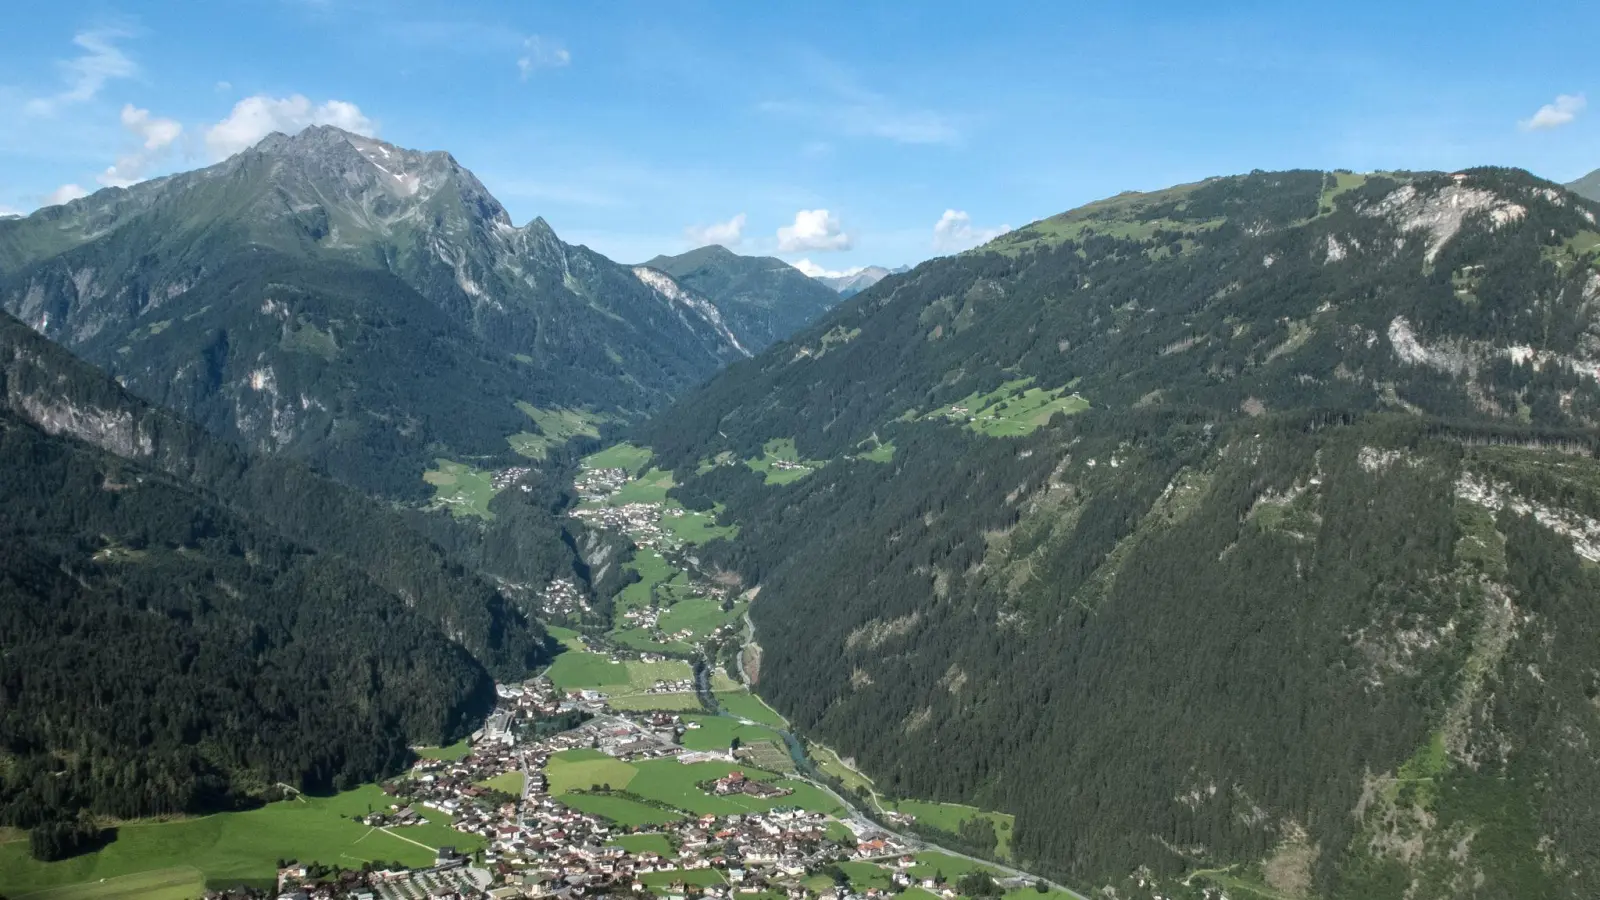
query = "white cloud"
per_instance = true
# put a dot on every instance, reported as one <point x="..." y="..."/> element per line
<point x="728" y="233"/>
<point x="815" y="271"/>
<point x="954" y="232"/>
<point x="223" y="87"/>
<point x="64" y="194"/>
<point x="7" y="212"/>
<point x="155" y="136"/>
<point x="253" y="118"/>
<point x="88" y="72"/>
<point x="1554" y="115"/>
<point x="814" y="230"/>
<point x="541" y="53"/>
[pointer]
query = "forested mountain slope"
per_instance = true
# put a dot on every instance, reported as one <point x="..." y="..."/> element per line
<point x="1237" y="534"/>
<point x="185" y="626"/>
<point x="45" y="385"/>
<point x="354" y="304"/>
<point x="762" y="299"/>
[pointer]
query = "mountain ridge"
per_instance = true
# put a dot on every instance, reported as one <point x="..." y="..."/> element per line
<point x="1190" y="527"/>
<point x="763" y="298"/>
<point x="188" y="259"/>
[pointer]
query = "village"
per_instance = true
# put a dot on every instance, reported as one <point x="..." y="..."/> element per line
<point x="535" y="846"/>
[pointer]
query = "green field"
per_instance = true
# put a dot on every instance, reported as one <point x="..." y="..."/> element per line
<point x="696" y="527"/>
<point x="458" y="750"/>
<point x="931" y="863"/>
<point x="460" y="488"/>
<point x="864" y="875"/>
<point x="556" y="427"/>
<point x="746" y="705"/>
<point x="178" y="883"/>
<point x="770" y="755"/>
<point x="782" y="450"/>
<point x="574" y="670"/>
<point x="569" y="639"/>
<point x="651" y="487"/>
<point x="234" y="848"/>
<point x="620" y="810"/>
<point x="645" y="843"/>
<point x="697" y="877"/>
<point x="577" y="669"/>
<point x="506" y="782"/>
<point x="828" y="761"/>
<point x="950" y="816"/>
<point x="674" y="702"/>
<point x="623" y="456"/>
<point x="699" y="616"/>
<point x="1011" y="410"/>
<point x="582" y="770"/>
<point x="673" y="783"/>
<point x="654" y="570"/>
<point x="717" y="732"/>
<point x="876" y="451"/>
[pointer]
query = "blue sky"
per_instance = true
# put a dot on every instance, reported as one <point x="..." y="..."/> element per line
<point x="841" y="133"/>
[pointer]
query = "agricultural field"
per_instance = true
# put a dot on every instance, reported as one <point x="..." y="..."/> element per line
<point x="650" y="487"/>
<point x="718" y="732"/>
<point x="746" y="705"/>
<point x="669" y="783"/>
<point x="950" y="817"/>
<point x="770" y="755"/>
<point x="506" y="783"/>
<point x="556" y="427"/>
<point x="458" y="750"/>
<point x="623" y="456"/>
<point x="581" y="770"/>
<point x="178" y="883"/>
<point x="1011" y="410"/>
<point x="696" y="877"/>
<point x="673" y="783"/>
<point x="830" y="762"/>
<point x="577" y="670"/>
<point x="685" y="701"/>
<point x="694" y="527"/>
<point x="865" y="875"/>
<point x="874" y="450"/>
<point x="621" y="810"/>
<point x="931" y="864"/>
<point x="654" y="571"/>
<point x="232" y="848"/>
<point x="780" y="462"/>
<point x="699" y="615"/>
<point x="460" y="488"/>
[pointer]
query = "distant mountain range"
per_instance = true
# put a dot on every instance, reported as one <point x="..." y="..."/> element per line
<point x="361" y="306"/>
<point x="854" y="281"/>
<point x="1588" y="186"/>
<point x="762" y="299"/>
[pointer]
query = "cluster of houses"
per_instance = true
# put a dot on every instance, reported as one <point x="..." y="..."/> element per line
<point x="640" y="521"/>
<point x="505" y="478"/>
<point x="737" y="783"/>
<point x="561" y="597"/>
<point x="596" y="484"/>
<point x="534" y="846"/>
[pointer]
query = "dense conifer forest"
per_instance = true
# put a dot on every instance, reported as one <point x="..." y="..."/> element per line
<point x="1297" y="593"/>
